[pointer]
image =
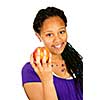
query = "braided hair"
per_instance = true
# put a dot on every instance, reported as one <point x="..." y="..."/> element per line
<point x="71" y="57"/>
<point x="74" y="63"/>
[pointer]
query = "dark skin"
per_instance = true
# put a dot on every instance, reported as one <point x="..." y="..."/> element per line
<point x="54" y="36"/>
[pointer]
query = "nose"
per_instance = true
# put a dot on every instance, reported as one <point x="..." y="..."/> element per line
<point x="57" y="38"/>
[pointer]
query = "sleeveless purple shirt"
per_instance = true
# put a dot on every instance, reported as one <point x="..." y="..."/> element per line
<point x="65" y="88"/>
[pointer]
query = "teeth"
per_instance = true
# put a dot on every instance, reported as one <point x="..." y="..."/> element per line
<point x="58" y="46"/>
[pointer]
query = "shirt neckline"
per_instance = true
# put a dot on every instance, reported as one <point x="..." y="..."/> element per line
<point x="68" y="78"/>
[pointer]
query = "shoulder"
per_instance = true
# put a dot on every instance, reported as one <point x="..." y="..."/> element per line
<point x="27" y="67"/>
<point x="28" y="74"/>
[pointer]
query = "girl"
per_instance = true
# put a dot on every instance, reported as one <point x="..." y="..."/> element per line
<point x="61" y="78"/>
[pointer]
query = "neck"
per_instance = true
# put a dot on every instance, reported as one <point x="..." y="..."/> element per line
<point x="57" y="62"/>
<point x="56" y="57"/>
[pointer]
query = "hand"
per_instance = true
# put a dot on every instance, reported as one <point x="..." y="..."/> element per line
<point x="43" y="69"/>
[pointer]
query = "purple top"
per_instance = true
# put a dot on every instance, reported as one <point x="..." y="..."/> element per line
<point x="65" y="88"/>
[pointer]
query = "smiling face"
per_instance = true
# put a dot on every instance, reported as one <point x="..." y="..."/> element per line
<point x="53" y="34"/>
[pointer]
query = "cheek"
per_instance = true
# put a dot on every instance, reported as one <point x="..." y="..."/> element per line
<point x="65" y="37"/>
<point x="48" y="41"/>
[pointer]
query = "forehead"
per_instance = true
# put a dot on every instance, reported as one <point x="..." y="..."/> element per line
<point x="52" y="23"/>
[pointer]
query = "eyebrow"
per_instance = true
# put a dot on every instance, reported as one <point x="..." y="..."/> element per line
<point x="62" y="27"/>
<point x="47" y="32"/>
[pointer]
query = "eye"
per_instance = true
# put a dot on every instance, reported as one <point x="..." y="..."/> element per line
<point x="62" y="32"/>
<point x="49" y="34"/>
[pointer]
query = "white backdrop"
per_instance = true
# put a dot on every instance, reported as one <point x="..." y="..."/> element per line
<point x="17" y="41"/>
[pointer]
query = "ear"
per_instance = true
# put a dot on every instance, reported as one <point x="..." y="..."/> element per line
<point x="39" y="37"/>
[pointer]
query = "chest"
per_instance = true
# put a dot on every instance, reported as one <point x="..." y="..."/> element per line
<point x="65" y="89"/>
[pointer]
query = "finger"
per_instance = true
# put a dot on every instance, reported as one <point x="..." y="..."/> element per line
<point x="38" y="56"/>
<point x="32" y="62"/>
<point x="49" y="61"/>
<point x="38" y="63"/>
<point x="50" y="56"/>
<point x="31" y="58"/>
<point x="44" y="56"/>
<point x="44" y="64"/>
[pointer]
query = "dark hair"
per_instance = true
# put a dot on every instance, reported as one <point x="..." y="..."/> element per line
<point x="44" y="14"/>
<point x="74" y="64"/>
<point x="71" y="57"/>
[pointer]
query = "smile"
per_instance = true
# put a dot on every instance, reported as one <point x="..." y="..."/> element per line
<point x="58" y="46"/>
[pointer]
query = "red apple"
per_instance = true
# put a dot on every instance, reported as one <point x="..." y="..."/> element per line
<point x="41" y="53"/>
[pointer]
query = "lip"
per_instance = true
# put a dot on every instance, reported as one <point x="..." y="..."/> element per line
<point x="58" y="46"/>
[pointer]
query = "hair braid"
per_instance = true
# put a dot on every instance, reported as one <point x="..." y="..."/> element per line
<point x="74" y="63"/>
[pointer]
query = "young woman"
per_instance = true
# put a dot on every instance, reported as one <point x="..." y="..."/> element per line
<point x="61" y="78"/>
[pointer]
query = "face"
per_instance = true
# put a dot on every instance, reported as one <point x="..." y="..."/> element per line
<point x="53" y="34"/>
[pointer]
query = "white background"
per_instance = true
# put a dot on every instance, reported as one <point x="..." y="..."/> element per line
<point x="17" y="41"/>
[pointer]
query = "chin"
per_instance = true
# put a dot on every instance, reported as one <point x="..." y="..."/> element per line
<point x="57" y="52"/>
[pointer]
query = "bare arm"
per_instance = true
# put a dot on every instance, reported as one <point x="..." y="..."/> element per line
<point x="49" y="91"/>
<point x="40" y="91"/>
<point x="44" y="90"/>
<point x="34" y="91"/>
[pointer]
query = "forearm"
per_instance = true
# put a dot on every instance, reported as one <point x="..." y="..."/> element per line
<point x="49" y="91"/>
